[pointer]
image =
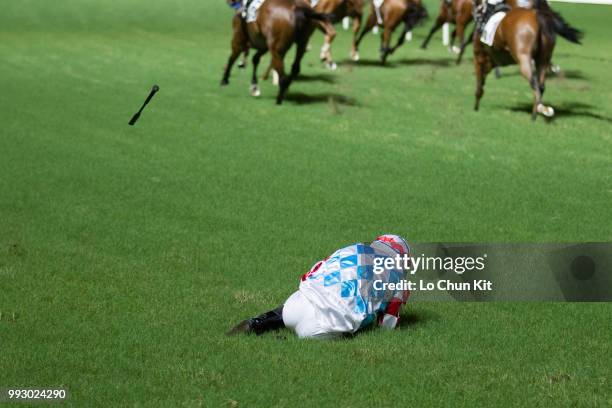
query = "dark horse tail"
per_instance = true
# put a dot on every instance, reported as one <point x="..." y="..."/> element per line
<point x="552" y="23"/>
<point x="304" y="17"/>
<point x="415" y="16"/>
<point x="304" y="14"/>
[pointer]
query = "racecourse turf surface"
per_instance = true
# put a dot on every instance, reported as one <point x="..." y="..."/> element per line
<point x="127" y="252"/>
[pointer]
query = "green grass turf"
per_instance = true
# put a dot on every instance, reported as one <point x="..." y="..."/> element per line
<point x="126" y="252"/>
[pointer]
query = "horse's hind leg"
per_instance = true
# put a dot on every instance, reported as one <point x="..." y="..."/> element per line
<point x="239" y="44"/>
<point x="254" y="86"/>
<point x="356" y="27"/>
<point x="482" y="65"/>
<point x="460" y="28"/>
<point x="465" y="43"/>
<point x="543" y="68"/>
<point x="370" y="23"/>
<point x="330" y="34"/>
<point x="299" y="54"/>
<point x="526" y="68"/>
<point x="401" y="39"/>
<point x="385" y="49"/>
<point x="284" y="80"/>
<point x="243" y="61"/>
<point x="451" y="45"/>
<point x="439" y="23"/>
<point x="230" y="62"/>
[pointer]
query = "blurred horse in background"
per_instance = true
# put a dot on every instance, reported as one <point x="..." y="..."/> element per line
<point x="391" y="14"/>
<point x="277" y="26"/>
<point x="525" y="37"/>
<point x="527" y="4"/>
<point x="338" y="10"/>
<point x="457" y="12"/>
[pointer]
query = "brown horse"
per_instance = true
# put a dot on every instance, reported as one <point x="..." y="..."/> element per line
<point x="393" y="13"/>
<point x="528" y="4"/>
<point x="339" y="9"/>
<point x="457" y="12"/>
<point x="279" y="24"/>
<point x="525" y="37"/>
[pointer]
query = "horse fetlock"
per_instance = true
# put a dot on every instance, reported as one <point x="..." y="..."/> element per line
<point x="547" y="111"/>
<point x="325" y="54"/>
<point x="255" y="92"/>
<point x="331" y="65"/>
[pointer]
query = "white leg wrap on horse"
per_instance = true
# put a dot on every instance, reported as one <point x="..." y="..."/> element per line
<point x="275" y="78"/>
<point x="445" y="34"/>
<point x="325" y="50"/>
<point x="255" y="91"/>
<point x="378" y="16"/>
<point x="346" y="23"/>
<point x="547" y="111"/>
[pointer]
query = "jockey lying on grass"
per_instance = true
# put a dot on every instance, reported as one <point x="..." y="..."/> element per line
<point x="342" y="294"/>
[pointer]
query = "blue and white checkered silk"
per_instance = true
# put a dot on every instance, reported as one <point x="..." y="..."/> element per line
<point x="341" y="287"/>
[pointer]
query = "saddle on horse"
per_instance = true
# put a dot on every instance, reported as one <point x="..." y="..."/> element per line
<point x="486" y="10"/>
<point x="247" y="8"/>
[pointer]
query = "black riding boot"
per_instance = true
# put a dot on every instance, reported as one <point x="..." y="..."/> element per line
<point x="272" y="320"/>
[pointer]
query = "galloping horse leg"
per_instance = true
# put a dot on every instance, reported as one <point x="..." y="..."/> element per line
<point x="460" y="28"/>
<point x="239" y="44"/>
<point x="230" y="62"/>
<point x="385" y="41"/>
<point x="243" y="61"/>
<point x="254" y="87"/>
<point x="266" y="74"/>
<point x="356" y="27"/>
<point x="301" y="46"/>
<point x="370" y="23"/>
<point x="527" y="71"/>
<point x="279" y="67"/>
<point x="330" y="34"/>
<point x="542" y="67"/>
<point x="464" y="44"/>
<point x="400" y="40"/>
<point x="439" y="23"/>
<point x="483" y="65"/>
<point x="452" y="39"/>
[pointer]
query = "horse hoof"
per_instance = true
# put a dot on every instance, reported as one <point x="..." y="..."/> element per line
<point x="454" y="49"/>
<point x="555" y="69"/>
<point x="224" y="82"/>
<point x="332" y="66"/>
<point x="547" y="111"/>
<point x="255" y="92"/>
<point x="242" y="65"/>
<point x="355" y="56"/>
